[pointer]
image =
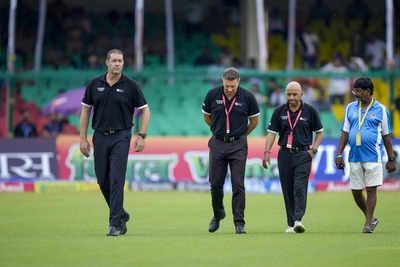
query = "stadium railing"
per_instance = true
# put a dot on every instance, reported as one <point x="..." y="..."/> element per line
<point x="175" y="98"/>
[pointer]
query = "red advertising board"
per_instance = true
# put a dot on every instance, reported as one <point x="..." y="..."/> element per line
<point x="166" y="162"/>
<point x="180" y="159"/>
<point x="173" y="159"/>
<point x="16" y="187"/>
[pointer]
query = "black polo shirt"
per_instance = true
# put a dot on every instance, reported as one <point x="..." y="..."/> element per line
<point x="244" y="108"/>
<point x="113" y="105"/>
<point x="308" y="123"/>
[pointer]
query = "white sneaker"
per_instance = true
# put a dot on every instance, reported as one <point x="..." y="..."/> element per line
<point x="289" y="230"/>
<point x="299" y="227"/>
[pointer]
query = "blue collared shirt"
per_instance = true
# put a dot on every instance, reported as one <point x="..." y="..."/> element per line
<point x="377" y="124"/>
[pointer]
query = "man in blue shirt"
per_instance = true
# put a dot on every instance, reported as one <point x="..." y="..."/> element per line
<point x="25" y="128"/>
<point x="366" y="123"/>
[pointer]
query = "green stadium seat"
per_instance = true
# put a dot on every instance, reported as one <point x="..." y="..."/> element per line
<point x="330" y="124"/>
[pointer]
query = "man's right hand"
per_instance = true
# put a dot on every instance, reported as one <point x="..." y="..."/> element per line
<point x="339" y="163"/>
<point x="85" y="147"/>
<point x="266" y="160"/>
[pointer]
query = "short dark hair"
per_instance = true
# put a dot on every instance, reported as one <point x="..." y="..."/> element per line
<point x="114" y="51"/>
<point x="231" y="74"/>
<point x="364" y="83"/>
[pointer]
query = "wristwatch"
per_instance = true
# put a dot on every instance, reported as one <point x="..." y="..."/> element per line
<point x="143" y="135"/>
<point x="392" y="158"/>
<point x="315" y="150"/>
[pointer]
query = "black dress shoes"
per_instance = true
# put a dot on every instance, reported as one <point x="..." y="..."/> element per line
<point x="125" y="218"/>
<point x="214" y="223"/>
<point x="114" y="231"/>
<point x="240" y="229"/>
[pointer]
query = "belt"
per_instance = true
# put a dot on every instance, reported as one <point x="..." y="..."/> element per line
<point x="110" y="131"/>
<point x="295" y="149"/>
<point x="227" y="138"/>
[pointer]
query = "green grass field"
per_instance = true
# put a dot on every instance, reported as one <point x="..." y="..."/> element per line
<point x="171" y="229"/>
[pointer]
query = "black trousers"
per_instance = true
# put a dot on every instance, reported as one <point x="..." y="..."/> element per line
<point x="294" y="171"/>
<point x="221" y="155"/>
<point x="110" y="160"/>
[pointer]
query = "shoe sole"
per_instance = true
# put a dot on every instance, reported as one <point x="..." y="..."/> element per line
<point x="114" y="235"/>
<point x="299" y="229"/>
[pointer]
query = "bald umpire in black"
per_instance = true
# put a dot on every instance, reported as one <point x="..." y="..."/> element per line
<point x="295" y="123"/>
<point x="227" y="110"/>
<point x="113" y="97"/>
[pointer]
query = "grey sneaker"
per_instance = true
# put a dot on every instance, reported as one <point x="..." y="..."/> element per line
<point x="374" y="223"/>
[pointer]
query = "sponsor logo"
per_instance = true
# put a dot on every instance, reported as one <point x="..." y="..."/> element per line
<point x="89" y="186"/>
<point x="145" y="168"/>
<point x="56" y="187"/>
<point x="373" y="116"/>
<point x="192" y="187"/>
<point x="283" y="117"/>
<point x="12" y="187"/>
<point x="26" y="164"/>
<point x="199" y="164"/>
<point x="220" y="102"/>
<point x="191" y="165"/>
<point x="263" y="186"/>
<point x="100" y="89"/>
<point x="303" y="119"/>
<point x="334" y="186"/>
<point x="119" y="90"/>
<point x="138" y="186"/>
<point x="238" y="104"/>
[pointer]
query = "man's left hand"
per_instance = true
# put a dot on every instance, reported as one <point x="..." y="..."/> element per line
<point x="311" y="153"/>
<point x="138" y="145"/>
<point x="391" y="166"/>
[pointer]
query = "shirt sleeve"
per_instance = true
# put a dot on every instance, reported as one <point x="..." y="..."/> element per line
<point x="386" y="123"/>
<point x="316" y="123"/>
<point x="345" y="123"/>
<point x="274" y="124"/>
<point x="253" y="106"/>
<point x="139" y="101"/>
<point x="206" y="108"/>
<point x="87" y="97"/>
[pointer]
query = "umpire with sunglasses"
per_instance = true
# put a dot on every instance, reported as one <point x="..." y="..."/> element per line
<point x="295" y="123"/>
<point x="114" y="98"/>
<point x="227" y="110"/>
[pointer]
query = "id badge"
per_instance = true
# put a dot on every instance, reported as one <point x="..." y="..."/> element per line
<point x="289" y="140"/>
<point x="358" y="139"/>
